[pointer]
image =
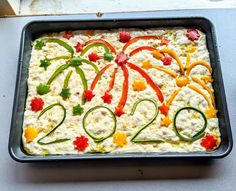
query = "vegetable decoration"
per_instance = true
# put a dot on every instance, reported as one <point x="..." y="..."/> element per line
<point x="81" y="143"/>
<point x="68" y="35"/>
<point x="119" y="139"/>
<point x="102" y="137"/>
<point x="124" y="36"/>
<point x="65" y="92"/>
<point x="54" y="128"/>
<point x="133" y="138"/>
<point x="78" y="47"/>
<point x="209" y="142"/>
<point x="199" y="134"/>
<point x="37" y="104"/>
<point x="78" y="110"/>
<point x="39" y="44"/>
<point x="30" y="133"/>
<point x="192" y="34"/>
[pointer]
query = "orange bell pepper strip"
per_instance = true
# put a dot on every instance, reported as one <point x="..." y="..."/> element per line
<point x="99" y="74"/>
<point x="119" y="108"/>
<point x="112" y="81"/>
<point x="202" y="63"/>
<point x="148" y="79"/>
<point x="103" y="42"/>
<point x="135" y="51"/>
<point x="137" y="39"/>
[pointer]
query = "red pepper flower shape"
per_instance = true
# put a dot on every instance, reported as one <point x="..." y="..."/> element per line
<point x="124" y="36"/>
<point x="68" y="35"/>
<point x="93" y="57"/>
<point x="209" y="142"/>
<point x="88" y="95"/>
<point x="107" y="98"/>
<point x="37" y="104"/>
<point x="192" y="34"/>
<point x="166" y="60"/>
<point x="81" y="143"/>
<point x="79" y="47"/>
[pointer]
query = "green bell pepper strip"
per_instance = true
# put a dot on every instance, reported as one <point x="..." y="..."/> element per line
<point x="96" y="44"/>
<point x="61" y="43"/>
<point x="58" y="58"/>
<point x="84" y="81"/>
<point x="94" y="137"/>
<point x="58" y="71"/>
<point x="66" y="81"/>
<point x="64" y="116"/>
<point x="145" y="125"/>
<point x="90" y="63"/>
<point x="199" y="134"/>
<point x="65" y="92"/>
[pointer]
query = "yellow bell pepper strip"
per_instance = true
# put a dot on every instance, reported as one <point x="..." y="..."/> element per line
<point x="133" y="40"/>
<point x="172" y="97"/>
<point x="211" y="112"/>
<point x="174" y="55"/>
<point x="112" y="49"/>
<point x="101" y="138"/>
<point x="54" y="129"/>
<point x="187" y="61"/>
<point x="119" y="108"/>
<point x="148" y="79"/>
<point x="198" y="81"/>
<point x="199" y="134"/>
<point x="133" y="138"/>
<point x="166" y="121"/>
<point x="31" y="133"/>
<point x="207" y="79"/>
<point x="157" y="54"/>
<point x="139" y="85"/>
<point x="120" y="139"/>
<point x="139" y="49"/>
<point x="202" y="63"/>
<point x="65" y="92"/>
<point x="196" y="89"/>
<point x="182" y="81"/>
<point x="190" y="48"/>
<point x="61" y="43"/>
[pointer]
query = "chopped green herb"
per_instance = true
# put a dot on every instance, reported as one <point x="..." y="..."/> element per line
<point x="78" y="110"/>
<point x="45" y="63"/>
<point x="65" y="93"/>
<point x="75" y="61"/>
<point x="108" y="56"/>
<point x="43" y="88"/>
<point x="39" y="44"/>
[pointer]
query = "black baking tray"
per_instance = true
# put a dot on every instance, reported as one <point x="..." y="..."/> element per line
<point x="33" y="29"/>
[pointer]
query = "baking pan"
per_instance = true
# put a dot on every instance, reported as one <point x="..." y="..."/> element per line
<point x="33" y="29"/>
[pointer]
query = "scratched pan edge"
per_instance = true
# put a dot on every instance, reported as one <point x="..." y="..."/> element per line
<point x="35" y="28"/>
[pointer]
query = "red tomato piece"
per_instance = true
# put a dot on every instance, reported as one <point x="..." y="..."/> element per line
<point x="107" y="98"/>
<point x="121" y="59"/>
<point x="166" y="60"/>
<point x="209" y="141"/>
<point x="88" y="95"/>
<point x="93" y="57"/>
<point x="124" y="36"/>
<point x="192" y="34"/>
<point x="37" y="104"/>
<point x="81" y="143"/>
<point x="79" y="47"/>
<point x="68" y="35"/>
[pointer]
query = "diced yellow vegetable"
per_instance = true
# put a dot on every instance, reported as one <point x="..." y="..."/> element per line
<point x="139" y="85"/>
<point x="166" y="121"/>
<point x="157" y="54"/>
<point x="146" y="64"/>
<point x="211" y="112"/>
<point x="120" y="139"/>
<point x="30" y="133"/>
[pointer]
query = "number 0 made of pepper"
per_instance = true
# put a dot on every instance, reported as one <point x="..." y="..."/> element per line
<point x="101" y="138"/>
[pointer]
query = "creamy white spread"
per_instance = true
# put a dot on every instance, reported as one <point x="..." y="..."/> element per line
<point x="100" y="121"/>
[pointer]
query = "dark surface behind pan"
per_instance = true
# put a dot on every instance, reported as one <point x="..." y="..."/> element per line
<point x="33" y="29"/>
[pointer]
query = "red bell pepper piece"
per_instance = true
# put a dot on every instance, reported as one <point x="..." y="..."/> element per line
<point x="79" y="47"/>
<point x="121" y="59"/>
<point x="68" y="35"/>
<point x="192" y="34"/>
<point x="103" y="42"/>
<point x="93" y="57"/>
<point x="107" y="98"/>
<point x="209" y="141"/>
<point x="164" y="108"/>
<point x="88" y="95"/>
<point x="119" y="109"/>
<point x="37" y="104"/>
<point x="166" y="60"/>
<point x="148" y="79"/>
<point x="99" y="75"/>
<point x="135" y="51"/>
<point x="112" y="82"/>
<point x="81" y="143"/>
<point x="164" y="41"/>
<point x="133" y="40"/>
<point x="124" y="36"/>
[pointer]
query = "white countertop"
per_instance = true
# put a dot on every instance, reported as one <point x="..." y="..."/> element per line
<point x="178" y="175"/>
